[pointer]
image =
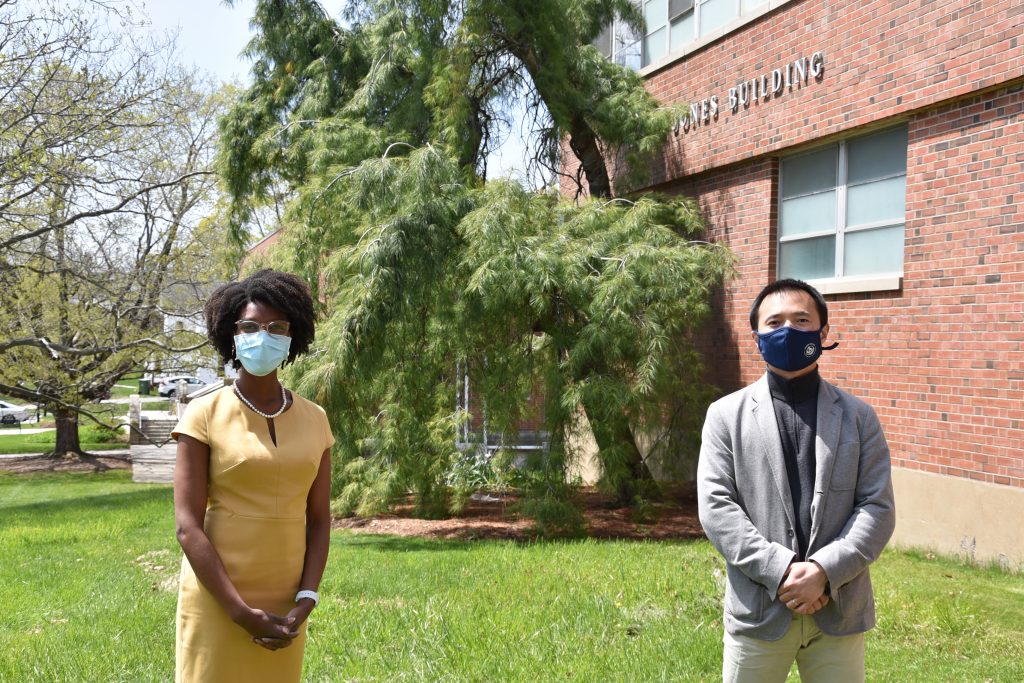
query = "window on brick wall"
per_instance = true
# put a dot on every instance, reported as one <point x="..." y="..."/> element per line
<point x="621" y="44"/>
<point x="671" y="26"/>
<point x="842" y="208"/>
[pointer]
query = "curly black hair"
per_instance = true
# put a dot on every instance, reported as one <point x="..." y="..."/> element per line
<point x="283" y="291"/>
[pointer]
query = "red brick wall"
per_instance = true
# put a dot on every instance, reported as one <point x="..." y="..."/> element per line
<point x="942" y="359"/>
<point x="882" y="59"/>
<point x="530" y="423"/>
<point x="740" y="205"/>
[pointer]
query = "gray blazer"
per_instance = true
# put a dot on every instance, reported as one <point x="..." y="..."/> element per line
<point x="746" y="508"/>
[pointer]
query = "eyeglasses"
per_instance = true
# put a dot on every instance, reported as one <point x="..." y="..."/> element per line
<point x="273" y="327"/>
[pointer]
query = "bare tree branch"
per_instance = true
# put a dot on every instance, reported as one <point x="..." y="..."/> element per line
<point x="99" y="212"/>
<point x="56" y="350"/>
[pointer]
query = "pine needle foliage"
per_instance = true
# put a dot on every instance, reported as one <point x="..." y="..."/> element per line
<point x="427" y="272"/>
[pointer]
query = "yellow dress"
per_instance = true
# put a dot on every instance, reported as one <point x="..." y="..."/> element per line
<point x="255" y="518"/>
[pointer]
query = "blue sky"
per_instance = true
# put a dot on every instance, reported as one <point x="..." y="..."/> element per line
<point x="210" y="34"/>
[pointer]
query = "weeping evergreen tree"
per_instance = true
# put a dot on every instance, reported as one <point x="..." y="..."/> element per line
<point x="379" y="132"/>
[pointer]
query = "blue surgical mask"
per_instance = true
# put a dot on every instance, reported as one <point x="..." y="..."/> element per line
<point x="261" y="353"/>
<point x="790" y="349"/>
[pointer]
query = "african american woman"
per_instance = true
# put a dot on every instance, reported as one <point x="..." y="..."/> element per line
<point x="251" y="494"/>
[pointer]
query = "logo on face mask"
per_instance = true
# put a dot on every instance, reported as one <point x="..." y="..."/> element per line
<point x="790" y="349"/>
<point x="261" y="353"/>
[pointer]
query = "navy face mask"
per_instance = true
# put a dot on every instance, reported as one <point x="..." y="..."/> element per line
<point x="790" y="349"/>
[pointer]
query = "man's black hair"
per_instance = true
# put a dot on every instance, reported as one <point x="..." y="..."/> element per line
<point x="789" y="285"/>
<point x="283" y="291"/>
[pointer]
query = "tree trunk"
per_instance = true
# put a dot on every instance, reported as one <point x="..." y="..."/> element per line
<point x="582" y="139"/>
<point x="624" y="469"/>
<point x="585" y="146"/>
<point x="67" y="433"/>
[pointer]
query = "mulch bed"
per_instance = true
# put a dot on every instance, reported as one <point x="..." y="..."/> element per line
<point x="493" y="517"/>
<point x="485" y="517"/>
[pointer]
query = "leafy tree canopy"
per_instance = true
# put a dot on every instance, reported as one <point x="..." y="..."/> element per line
<point x="105" y="175"/>
<point x="380" y="131"/>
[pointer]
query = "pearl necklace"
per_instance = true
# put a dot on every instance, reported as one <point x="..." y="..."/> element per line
<point x="284" y="403"/>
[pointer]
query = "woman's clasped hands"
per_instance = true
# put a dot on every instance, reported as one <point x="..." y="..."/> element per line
<point x="271" y="630"/>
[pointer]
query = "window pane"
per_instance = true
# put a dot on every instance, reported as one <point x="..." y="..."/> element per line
<point x="809" y="172"/>
<point x="716" y="13"/>
<point x="882" y="200"/>
<point x="682" y="32"/>
<point x="748" y="5"/>
<point x="655" y="14"/>
<point x="629" y="56"/>
<point x="677" y="7"/>
<point x="867" y="252"/>
<point x="878" y="155"/>
<point x="603" y="42"/>
<point x="656" y="45"/>
<point x="809" y="213"/>
<point x="808" y="259"/>
<point x="624" y="38"/>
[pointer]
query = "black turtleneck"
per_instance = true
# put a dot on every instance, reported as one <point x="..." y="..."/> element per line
<point x="796" y="411"/>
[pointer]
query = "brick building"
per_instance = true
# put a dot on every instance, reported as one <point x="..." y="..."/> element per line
<point x="875" y="149"/>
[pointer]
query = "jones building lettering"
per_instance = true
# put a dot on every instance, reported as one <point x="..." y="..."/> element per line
<point x="763" y="87"/>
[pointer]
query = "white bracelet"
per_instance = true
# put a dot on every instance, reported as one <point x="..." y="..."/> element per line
<point x="312" y="595"/>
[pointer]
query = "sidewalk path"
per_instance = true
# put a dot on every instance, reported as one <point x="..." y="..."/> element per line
<point x="143" y="399"/>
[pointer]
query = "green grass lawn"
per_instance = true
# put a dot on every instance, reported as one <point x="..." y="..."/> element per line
<point x="92" y="439"/>
<point x="89" y="563"/>
<point x="127" y="385"/>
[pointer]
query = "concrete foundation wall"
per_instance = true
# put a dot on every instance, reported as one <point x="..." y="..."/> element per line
<point x="974" y="520"/>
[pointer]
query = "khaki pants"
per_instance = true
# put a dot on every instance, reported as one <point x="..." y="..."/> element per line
<point x="821" y="658"/>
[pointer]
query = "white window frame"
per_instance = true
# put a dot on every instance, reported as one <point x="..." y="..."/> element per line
<point x="738" y="17"/>
<point x="613" y="53"/>
<point x="677" y="52"/>
<point x="839" y="283"/>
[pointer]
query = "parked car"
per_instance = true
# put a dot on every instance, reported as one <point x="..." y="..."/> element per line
<point x="11" y="413"/>
<point x="169" y="386"/>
